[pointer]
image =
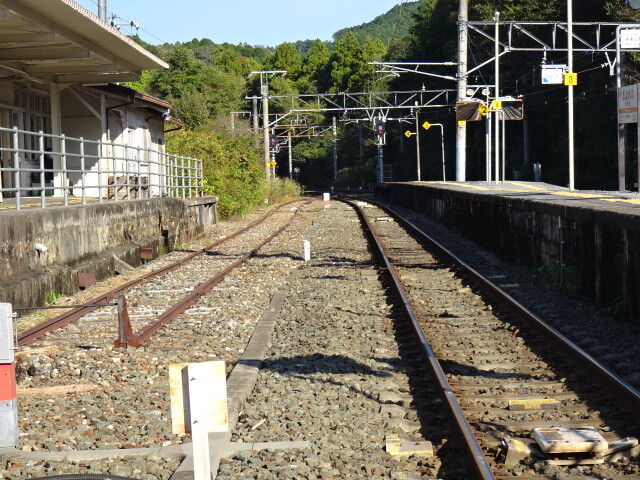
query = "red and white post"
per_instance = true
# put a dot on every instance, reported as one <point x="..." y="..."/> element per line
<point x="8" y="401"/>
<point x="325" y="197"/>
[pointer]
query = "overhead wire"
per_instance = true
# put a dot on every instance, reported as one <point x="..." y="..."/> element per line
<point x="114" y="16"/>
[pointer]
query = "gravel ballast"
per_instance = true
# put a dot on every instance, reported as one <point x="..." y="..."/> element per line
<point x="332" y="377"/>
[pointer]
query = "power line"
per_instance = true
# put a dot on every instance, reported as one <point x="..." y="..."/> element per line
<point x="114" y="17"/>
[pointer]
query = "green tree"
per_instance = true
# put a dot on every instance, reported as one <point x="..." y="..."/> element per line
<point x="232" y="167"/>
<point x="315" y="67"/>
<point x="224" y="91"/>
<point x="231" y="62"/>
<point x="347" y="64"/>
<point x="144" y="83"/>
<point x="191" y="107"/>
<point x="373" y="49"/>
<point x="434" y="32"/>
<point x="286" y="57"/>
<point x="183" y="73"/>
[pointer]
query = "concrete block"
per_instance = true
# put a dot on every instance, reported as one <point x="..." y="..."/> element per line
<point x="7" y="340"/>
<point x="9" y="423"/>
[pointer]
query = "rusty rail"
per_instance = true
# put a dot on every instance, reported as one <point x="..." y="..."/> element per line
<point x="623" y="391"/>
<point x="480" y="465"/>
<point x="29" y="336"/>
<point x="137" y="339"/>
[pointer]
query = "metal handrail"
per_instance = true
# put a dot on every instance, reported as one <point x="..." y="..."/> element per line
<point x="43" y="164"/>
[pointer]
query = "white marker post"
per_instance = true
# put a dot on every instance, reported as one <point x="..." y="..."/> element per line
<point x="326" y="197"/>
<point x="306" y="248"/>
<point x="199" y="406"/>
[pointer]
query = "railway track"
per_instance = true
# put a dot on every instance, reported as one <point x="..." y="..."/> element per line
<point x="162" y="294"/>
<point x="504" y="374"/>
<point x="344" y="374"/>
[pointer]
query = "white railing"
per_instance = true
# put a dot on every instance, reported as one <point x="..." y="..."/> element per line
<point x="44" y="165"/>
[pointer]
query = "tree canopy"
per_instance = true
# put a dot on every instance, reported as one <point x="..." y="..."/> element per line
<point x="207" y="81"/>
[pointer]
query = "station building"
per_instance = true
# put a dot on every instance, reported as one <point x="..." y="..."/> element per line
<point x="66" y="126"/>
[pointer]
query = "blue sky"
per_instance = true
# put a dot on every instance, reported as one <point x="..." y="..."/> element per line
<point x="256" y="22"/>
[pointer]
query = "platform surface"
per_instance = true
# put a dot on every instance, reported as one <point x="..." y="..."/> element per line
<point x="622" y="202"/>
<point x="9" y="204"/>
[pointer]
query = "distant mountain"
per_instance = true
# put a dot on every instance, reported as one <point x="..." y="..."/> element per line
<point x="387" y="27"/>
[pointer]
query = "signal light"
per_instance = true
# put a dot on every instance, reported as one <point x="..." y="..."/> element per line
<point x="379" y="135"/>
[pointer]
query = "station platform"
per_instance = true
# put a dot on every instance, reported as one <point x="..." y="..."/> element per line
<point x="623" y="202"/>
<point x="45" y="250"/>
<point x="9" y="204"/>
<point x="592" y="236"/>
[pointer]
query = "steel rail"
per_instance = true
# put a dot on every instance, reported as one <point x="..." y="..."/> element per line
<point x="623" y="391"/>
<point x="479" y="462"/>
<point x="31" y="335"/>
<point x="138" y="338"/>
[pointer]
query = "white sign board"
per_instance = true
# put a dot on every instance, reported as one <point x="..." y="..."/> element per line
<point x="198" y="394"/>
<point x="553" y="74"/>
<point x="628" y="104"/>
<point x="630" y="38"/>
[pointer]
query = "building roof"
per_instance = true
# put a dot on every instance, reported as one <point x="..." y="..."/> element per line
<point x="137" y="99"/>
<point x="131" y="94"/>
<point x="59" y="41"/>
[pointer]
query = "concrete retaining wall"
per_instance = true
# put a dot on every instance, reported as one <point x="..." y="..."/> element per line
<point x="84" y="238"/>
<point x="599" y="247"/>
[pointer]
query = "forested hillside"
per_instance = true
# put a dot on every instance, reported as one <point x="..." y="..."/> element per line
<point x="391" y="26"/>
<point x="207" y="81"/>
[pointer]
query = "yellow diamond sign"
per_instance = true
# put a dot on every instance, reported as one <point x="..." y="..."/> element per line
<point x="426" y="125"/>
<point x="408" y="134"/>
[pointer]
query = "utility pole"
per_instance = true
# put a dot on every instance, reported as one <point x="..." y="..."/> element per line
<point x="264" y="92"/>
<point x="102" y="10"/>
<point x="335" y="148"/>
<point x="496" y="61"/>
<point x="461" y="130"/>
<point x="570" y="92"/>
<point x="360" y="154"/>
<point x="418" y="147"/>
<point x="290" y="155"/>
<point x="622" y="155"/>
<point x="254" y="111"/>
